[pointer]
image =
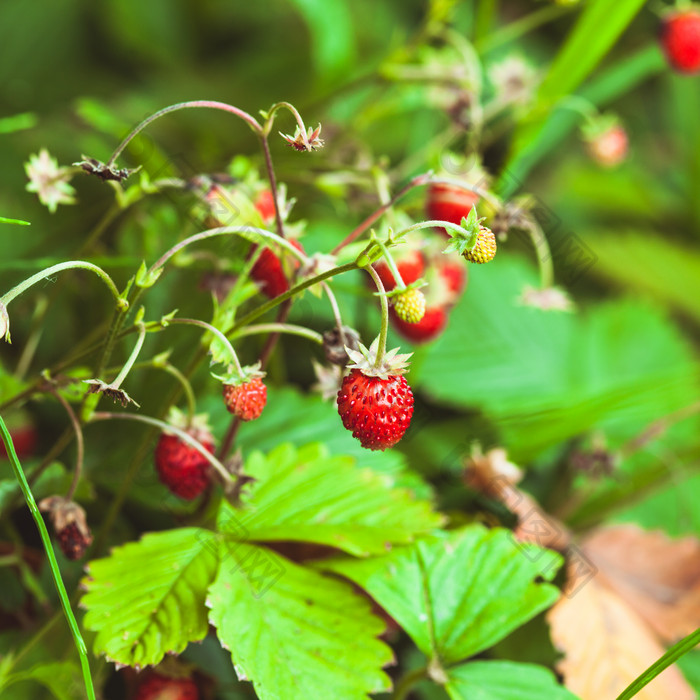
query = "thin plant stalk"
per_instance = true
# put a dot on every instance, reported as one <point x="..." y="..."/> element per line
<point x="384" y="329"/>
<point x="71" y="264"/>
<point x="185" y="437"/>
<point x="215" y="331"/>
<point x="79" y="442"/>
<point x="288" y="328"/>
<point x="194" y="104"/>
<point x="53" y="564"/>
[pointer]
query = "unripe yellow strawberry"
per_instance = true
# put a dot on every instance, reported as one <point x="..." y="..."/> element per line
<point x="485" y="249"/>
<point x="410" y="306"/>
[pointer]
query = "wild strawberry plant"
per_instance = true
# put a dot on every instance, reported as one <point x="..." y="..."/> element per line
<point x="212" y="501"/>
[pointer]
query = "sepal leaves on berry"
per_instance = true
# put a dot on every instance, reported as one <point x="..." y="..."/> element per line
<point x="365" y="359"/>
<point x="236" y="378"/>
<point x="465" y="241"/>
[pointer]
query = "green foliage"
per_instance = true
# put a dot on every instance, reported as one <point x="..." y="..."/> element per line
<point x="147" y="598"/>
<point x="458" y="593"/>
<point x="544" y="377"/>
<point x="318" y="636"/>
<point x="352" y="509"/>
<point x="502" y="680"/>
<point x="61" y="679"/>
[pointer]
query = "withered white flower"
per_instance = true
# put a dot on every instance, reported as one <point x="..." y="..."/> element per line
<point x="514" y="79"/>
<point x="49" y="180"/>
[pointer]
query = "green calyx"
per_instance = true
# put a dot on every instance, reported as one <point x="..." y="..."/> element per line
<point x="236" y="378"/>
<point x="464" y="241"/>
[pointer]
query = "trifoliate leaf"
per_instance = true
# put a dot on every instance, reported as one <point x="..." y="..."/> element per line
<point x="458" y="593"/>
<point x="147" y="598"/>
<point x="293" y="632"/>
<point x="62" y="679"/>
<point x="503" y="680"/>
<point x="307" y="495"/>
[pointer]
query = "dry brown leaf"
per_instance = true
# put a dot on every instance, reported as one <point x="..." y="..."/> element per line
<point x="657" y="576"/>
<point x="606" y="645"/>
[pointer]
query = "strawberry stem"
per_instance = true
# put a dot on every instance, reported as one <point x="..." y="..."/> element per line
<point x="79" y="442"/>
<point x="53" y="564"/>
<point x="185" y="437"/>
<point x="281" y="328"/>
<point x="72" y="264"/>
<point x="207" y="326"/>
<point x="417" y="181"/>
<point x="384" y="329"/>
<point x="245" y="231"/>
<point x="132" y="358"/>
<point x="391" y="264"/>
<point x="210" y="104"/>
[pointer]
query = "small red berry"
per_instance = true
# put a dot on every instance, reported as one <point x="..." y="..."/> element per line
<point x="449" y="203"/>
<point x="157" y="687"/>
<point x="410" y="264"/>
<point x="680" y="39"/>
<point x="265" y="204"/>
<point x="24" y="439"/>
<point x="428" y="328"/>
<point x="246" y="400"/>
<point x="453" y="273"/>
<point x="374" y="400"/>
<point x="180" y="466"/>
<point x="609" y="148"/>
<point x="270" y="275"/>
<point x="378" y="411"/>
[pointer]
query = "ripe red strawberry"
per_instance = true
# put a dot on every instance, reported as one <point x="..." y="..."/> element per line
<point x="246" y="400"/>
<point x="376" y="403"/>
<point x="449" y="203"/>
<point x="410" y="264"/>
<point x="453" y="273"/>
<point x="428" y="328"/>
<point x="158" y="687"/>
<point x="680" y="39"/>
<point x="270" y="275"/>
<point x="265" y="204"/>
<point x="183" y="469"/>
<point x="23" y="432"/>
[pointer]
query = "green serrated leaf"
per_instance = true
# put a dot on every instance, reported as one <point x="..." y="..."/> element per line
<point x="147" y="598"/>
<point x="457" y="593"/>
<point x="503" y="680"/>
<point x="307" y="495"/>
<point x="293" y="632"/>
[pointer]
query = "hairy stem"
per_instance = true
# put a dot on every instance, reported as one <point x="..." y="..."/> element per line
<point x="215" y="331"/>
<point x="185" y="437"/>
<point x="195" y="104"/>
<point x="272" y="303"/>
<point x="71" y="264"/>
<point x="226" y="231"/>
<point x="384" y="329"/>
<point x="79" y="442"/>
